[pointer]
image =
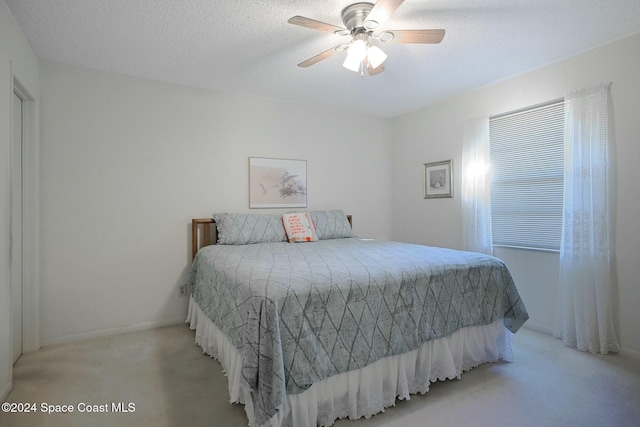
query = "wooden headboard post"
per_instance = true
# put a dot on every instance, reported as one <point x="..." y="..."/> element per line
<point x="206" y="234"/>
<point x="207" y="230"/>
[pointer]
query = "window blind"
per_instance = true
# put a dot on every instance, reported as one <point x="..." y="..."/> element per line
<point x="527" y="158"/>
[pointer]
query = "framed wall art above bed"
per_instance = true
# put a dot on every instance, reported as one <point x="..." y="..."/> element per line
<point x="277" y="183"/>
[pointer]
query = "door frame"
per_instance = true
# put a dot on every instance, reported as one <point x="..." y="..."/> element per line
<point x="16" y="208"/>
<point x="30" y="218"/>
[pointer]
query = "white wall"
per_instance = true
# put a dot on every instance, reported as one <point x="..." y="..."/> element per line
<point x="18" y="61"/>
<point x="126" y="163"/>
<point x="436" y="133"/>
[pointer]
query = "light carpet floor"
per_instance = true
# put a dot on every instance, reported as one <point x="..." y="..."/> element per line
<point x="171" y="383"/>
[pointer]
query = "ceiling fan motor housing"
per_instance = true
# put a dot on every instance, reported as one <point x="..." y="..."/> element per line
<point x="354" y="15"/>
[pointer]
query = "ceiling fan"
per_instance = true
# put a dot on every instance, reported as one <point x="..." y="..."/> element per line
<point x="362" y="22"/>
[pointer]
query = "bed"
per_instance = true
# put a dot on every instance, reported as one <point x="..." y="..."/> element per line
<point x="340" y="327"/>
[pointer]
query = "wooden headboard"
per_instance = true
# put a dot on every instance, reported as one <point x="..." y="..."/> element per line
<point x="209" y="234"/>
<point x="205" y="233"/>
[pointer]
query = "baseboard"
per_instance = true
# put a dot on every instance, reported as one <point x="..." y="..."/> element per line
<point x="538" y="328"/>
<point x="111" y="332"/>
<point x="631" y="354"/>
<point x="4" y="393"/>
<point x="151" y="325"/>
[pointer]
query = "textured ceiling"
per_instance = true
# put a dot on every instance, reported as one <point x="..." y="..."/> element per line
<point x="247" y="47"/>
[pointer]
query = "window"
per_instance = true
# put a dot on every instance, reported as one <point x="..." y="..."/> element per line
<point x="527" y="157"/>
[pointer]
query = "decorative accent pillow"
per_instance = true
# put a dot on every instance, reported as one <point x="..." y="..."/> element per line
<point x="245" y="229"/>
<point x="331" y="224"/>
<point x="299" y="227"/>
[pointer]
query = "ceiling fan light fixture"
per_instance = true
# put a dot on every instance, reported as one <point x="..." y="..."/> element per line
<point x="376" y="56"/>
<point x="352" y="63"/>
<point x="342" y="32"/>
<point x="358" y="50"/>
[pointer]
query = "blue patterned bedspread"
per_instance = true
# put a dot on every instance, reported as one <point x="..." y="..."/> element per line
<point x="299" y="313"/>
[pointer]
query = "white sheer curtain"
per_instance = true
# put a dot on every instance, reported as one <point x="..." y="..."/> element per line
<point x="476" y="186"/>
<point x="584" y="317"/>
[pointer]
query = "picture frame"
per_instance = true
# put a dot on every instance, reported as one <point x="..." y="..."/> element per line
<point x="277" y="183"/>
<point x="438" y="179"/>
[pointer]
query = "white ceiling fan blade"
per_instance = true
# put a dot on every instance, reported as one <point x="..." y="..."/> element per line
<point x="382" y="10"/>
<point x="416" y="36"/>
<point x="319" y="57"/>
<point x="315" y="25"/>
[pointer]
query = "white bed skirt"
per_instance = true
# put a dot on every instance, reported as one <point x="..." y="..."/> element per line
<point x="367" y="391"/>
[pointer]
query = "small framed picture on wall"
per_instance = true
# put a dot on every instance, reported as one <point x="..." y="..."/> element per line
<point x="438" y="179"/>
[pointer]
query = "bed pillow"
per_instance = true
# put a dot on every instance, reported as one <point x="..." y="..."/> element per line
<point x="245" y="229"/>
<point x="331" y="224"/>
<point x="299" y="227"/>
